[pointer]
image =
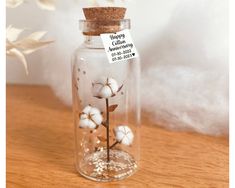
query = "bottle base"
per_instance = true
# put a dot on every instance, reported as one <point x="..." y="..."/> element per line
<point x="94" y="166"/>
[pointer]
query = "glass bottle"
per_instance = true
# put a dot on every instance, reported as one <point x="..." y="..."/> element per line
<point x="106" y="106"/>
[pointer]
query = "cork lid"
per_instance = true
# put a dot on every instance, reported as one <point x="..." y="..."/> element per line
<point x="104" y="20"/>
<point x="104" y="13"/>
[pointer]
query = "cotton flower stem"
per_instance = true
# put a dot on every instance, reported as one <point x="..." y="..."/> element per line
<point x="114" y="144"/>
<point x="107" y="127"/>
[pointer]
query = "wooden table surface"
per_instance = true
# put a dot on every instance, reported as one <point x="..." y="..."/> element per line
<point x="40" y="149"/>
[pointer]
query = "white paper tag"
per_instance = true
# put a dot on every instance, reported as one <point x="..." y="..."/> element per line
<point x="119" y="46"/>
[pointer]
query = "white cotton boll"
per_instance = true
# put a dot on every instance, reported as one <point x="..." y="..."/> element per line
<point x="124" y="135"/>
<point x="87" y="109"/>
<point x="94" y="111"/>
<point x="83" y="116"/>
<point x="84" y="123"/>
<point x="105" y="87"/>
<point x="90" y="118"/>
<point x="126" y="140"/>
<point x="105" y="92"/>
<point x="113" y="84"/>
<point x="98" y="85"/>
<point x="118" y="135"/>
<point x="97" y="118"/>
<point x="91" y="124"/>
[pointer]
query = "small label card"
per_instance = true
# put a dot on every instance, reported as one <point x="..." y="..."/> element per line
<point x="119" y="46"/>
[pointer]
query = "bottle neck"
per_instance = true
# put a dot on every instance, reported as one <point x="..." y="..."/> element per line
<point x="93" y="42"/>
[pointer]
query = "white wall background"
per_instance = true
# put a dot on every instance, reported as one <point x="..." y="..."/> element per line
<point x="183" y="45"/>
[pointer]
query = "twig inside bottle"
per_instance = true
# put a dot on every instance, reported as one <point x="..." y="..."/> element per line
<point x="107" y="127"/>
<point x="114" y="144"/>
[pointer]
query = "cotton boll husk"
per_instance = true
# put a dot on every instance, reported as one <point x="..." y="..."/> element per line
<point x="183" y="47"/>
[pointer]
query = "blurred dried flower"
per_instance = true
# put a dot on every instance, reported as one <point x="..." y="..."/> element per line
<point x="43" y="4"/>
<point x="20" y="48"/>
<point x="13" y="3"/>
<point x="46" y="4"/>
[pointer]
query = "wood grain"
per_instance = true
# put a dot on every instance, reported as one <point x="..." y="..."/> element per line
<point x="40" y="149"/>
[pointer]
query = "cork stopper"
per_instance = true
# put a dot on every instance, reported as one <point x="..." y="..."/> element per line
<point x="103" y="20"/>
<point x="104" y="13"/>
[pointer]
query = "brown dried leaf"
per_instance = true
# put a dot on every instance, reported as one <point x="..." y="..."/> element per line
<point x="102" y="139"/>
<point x="112" y="107"/>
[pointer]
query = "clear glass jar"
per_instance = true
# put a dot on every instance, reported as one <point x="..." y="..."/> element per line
<point x="106" y="105"/>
